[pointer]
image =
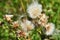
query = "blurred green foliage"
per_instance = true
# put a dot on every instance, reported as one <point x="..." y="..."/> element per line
<point x="18" y="7"/>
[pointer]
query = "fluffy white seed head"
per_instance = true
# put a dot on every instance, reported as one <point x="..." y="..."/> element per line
<point x="27" y="25"/>
<point x="50" y="28"/>
<point x="34" y="10"/>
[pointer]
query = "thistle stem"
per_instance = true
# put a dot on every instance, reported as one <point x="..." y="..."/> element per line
<point x="22" y="5"/>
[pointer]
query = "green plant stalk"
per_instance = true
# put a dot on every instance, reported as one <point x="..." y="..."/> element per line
<point x="22" y="6"/>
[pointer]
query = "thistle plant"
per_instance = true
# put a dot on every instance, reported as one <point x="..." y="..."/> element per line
<point x="29" y="20"/>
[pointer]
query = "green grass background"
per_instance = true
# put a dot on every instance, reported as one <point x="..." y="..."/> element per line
<point x="18" y="7"/>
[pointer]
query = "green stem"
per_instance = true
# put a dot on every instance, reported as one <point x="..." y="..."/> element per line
<point x="22" y="5"/>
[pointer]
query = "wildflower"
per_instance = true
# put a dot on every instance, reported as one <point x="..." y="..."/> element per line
<point x="8" y="17"/>
<point x="50" y="28"/>
<point x="43" y="19"/>
<point x="27" y="25"/>
<point x="15" y="24"/>
<point x="34" y="10"/>
<point x="21" y="33"/>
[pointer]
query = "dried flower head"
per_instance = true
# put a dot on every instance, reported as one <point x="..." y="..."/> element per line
<point x="21" y="33"/>
<point x="8" y="17"/>
<point x="15" y="24"/>
<point x="43" y="19"/>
